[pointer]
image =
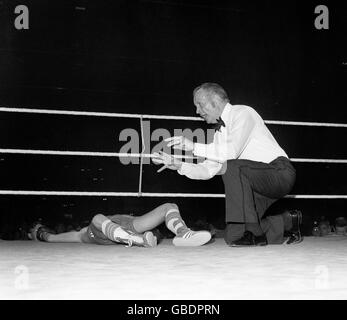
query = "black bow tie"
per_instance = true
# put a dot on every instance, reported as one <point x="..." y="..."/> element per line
<point x="219" y="124"/>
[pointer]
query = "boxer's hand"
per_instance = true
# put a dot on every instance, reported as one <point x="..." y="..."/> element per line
<point x="167" y="160"/>
<point x="181" y="143"/>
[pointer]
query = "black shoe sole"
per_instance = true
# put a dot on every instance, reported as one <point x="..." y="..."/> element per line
<point x="300" y="239"/>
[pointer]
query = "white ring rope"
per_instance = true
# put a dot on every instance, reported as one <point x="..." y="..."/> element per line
<point x="319" y="160"/>
<point x="136" y="155"/>
<point x="164" y="117"/>
<point x="86" y="153"/>
<point x="308" y="124"/>
<point x="148" y="194"/>
<point x="142" y="155"/>
<point x="98" y="114"/>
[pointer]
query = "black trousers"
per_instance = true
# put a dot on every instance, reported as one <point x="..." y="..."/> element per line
<point x="250" y="189"/>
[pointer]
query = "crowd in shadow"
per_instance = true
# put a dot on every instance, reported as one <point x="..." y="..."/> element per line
<point x="21" y="231"/>
<point x="319" y="227"/>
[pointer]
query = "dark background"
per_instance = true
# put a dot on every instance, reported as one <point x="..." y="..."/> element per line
<point x="147" y="57"/>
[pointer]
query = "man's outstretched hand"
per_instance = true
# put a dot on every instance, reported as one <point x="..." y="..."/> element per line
<point x="167" y="160"/>
<point x="179" y="142"/>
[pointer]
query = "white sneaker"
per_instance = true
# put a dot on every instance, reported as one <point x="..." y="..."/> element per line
<point x="192" y="239"/>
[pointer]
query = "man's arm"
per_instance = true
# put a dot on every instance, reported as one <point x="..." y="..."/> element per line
<point x="201" y="171"/>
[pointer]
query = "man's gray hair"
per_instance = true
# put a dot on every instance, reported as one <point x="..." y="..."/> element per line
<point x="213" y="88"/>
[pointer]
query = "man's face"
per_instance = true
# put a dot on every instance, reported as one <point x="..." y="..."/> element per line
<point x="205" y="107"/>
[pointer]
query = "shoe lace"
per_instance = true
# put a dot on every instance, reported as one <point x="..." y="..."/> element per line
<point x="131" y="240"/>
<point x="130" y="243"/>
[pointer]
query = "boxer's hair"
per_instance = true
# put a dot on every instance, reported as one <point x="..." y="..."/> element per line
<point x="213" y="88"/>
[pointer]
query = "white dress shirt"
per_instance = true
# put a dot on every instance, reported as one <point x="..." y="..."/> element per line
<point x="245" y="136"/>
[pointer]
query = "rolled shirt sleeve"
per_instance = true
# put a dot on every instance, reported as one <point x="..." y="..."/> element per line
<point x="201" y="171"/>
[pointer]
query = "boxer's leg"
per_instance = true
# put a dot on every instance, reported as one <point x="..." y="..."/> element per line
<point x="41" y="233"/>
<point x="117" y="233"/>
<point x="72" y="236"/>
<point x="169" y="213"/>
<point x="154" y="218"/>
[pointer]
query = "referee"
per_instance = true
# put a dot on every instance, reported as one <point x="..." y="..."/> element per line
<point x="256" y="171"/>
